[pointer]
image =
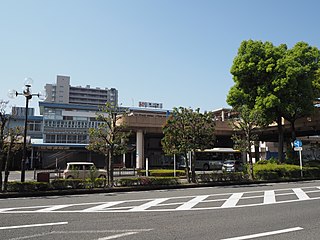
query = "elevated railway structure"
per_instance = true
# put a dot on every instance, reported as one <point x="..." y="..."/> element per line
<point x="147" y="127"/>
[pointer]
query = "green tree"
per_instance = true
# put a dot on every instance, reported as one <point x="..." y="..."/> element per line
<point x="254" y="69"/>
<point x="188" y="130"/>
<point x="244" y="127"/>
<point x="298" y="87"/>
<point x="110" y="138"/>
<point x="279" y="82"/>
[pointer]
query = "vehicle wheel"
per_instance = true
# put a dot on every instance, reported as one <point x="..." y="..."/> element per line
<point x="206" y="167"/>
<point x="70" y="177"/>
<point x="102" y="176"/>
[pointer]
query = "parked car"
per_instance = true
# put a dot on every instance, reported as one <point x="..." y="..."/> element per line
<point x="232" y="166"/>
<point x="83" y="170"/>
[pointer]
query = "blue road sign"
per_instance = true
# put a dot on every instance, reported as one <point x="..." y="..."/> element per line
<point x="297" y="143"/>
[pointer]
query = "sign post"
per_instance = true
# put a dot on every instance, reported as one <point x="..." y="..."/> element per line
<point x="298" y="147"/>
<point x="174" y="165"/>
<point x="147" y="167"/>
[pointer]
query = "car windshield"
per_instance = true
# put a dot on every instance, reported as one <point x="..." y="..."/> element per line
<point x="229" y="162"/>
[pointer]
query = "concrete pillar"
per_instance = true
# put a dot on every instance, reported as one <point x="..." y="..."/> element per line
<point x="140" y="150"/>
<point x="124" y="160"/>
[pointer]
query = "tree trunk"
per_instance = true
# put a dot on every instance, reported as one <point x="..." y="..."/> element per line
<point x="293" y="138"/>
<point x="187" y="169"/>
<point x="193" y="167"/>
<point x="108" y="170"/>
<point x="6" y="168"/>
<point x="251" y="166"/>
<point x="280" y="139"/>
<point x="111" y="169"/>
<point x="256" y="151"/>
<point x="293" y="131"/>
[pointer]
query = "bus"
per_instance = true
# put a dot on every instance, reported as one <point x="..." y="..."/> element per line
<point x="212" y="159"/>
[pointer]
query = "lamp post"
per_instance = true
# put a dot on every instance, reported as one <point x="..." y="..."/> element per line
<point x="28" y="95"/>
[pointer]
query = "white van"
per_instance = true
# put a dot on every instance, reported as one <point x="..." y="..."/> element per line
<point x="83" y="170"/>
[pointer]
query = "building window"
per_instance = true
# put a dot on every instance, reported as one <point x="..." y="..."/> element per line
<point x="61" y="138"/>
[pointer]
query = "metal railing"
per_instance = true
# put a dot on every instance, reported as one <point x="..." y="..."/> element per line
<point x="57" y="173"/>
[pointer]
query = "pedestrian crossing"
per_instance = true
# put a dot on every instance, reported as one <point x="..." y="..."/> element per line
<point x="181" y="203"/>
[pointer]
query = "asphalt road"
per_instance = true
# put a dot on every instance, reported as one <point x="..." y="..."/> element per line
<point x="270" y="211"/>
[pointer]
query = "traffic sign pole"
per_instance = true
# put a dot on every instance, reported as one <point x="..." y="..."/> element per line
<point x="298" y="147"/>
<point x="300" y="155"/>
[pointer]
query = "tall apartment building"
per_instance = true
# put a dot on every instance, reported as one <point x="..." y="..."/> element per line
<point x="62" y="92"/>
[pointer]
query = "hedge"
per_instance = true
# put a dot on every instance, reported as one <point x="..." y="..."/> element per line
<point x="29" y="186"/>
<point x="56" y="184"/>
<point x="162" y="173"/>
<point x="147" y="181"/>
<point x="273" y="171"/>
<point x="222" y="177"/>
<point x="77" y="183"/>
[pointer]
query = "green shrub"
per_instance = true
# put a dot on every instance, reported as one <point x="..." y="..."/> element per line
<point x="273" y="171"/>
<point x="60" y="184"/>
<point x="30" y="186"/>
<point x="222" y="177"/>
<point x="162" y="173"/>
<point x="147" y="181"/>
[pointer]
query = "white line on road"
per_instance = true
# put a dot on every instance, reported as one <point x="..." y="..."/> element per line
<point x="49" y="209"/>
<point x="148" y="205"/>
<point x="102" y="206"/>
<point x="232" y="200"/>
<point x="190" y="204"/>
<point x="269" y="197"/>
<point x="300" y="194"/>
<point x="33" y="225"/>
<point x="264" y="234"/>
<point x="118" y="235"/>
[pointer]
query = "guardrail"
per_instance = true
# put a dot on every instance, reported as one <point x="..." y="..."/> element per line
<point x="57" y="173"/>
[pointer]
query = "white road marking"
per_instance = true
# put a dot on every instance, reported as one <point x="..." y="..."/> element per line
<point x="148" y="205"/>
<point x="190" y="204"/>
<point x="269" y="197"/>
<point x="102" y="206"/>
<point x="118" y="235"/>
<point x="180" y="203"/>
<point x="121" y="233"/>
<point x="33" y="225"/>
<point x="265" y="234"/>
<point x="53" y="208"/>
<point x="232" y="200"/>
<point x="300" y="194"/>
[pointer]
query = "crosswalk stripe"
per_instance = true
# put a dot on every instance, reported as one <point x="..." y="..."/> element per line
<point x="300" y="194"/>
<point x="190" y="204"/>
<point x="49" y="209"/>
<point x="102" y="206"/>
<point x="269" y="197"/>
<point x="232" y="200"/>
<point x="227" y="200"/>
<point x="148" y="205"/>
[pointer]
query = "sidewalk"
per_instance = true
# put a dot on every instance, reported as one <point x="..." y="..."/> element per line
<point x="16" y="175"/>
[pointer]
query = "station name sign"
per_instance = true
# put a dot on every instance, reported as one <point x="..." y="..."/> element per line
<point x="150" y="105"/>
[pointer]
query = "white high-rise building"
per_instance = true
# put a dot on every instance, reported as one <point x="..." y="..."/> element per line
<point x="63" y="92"/>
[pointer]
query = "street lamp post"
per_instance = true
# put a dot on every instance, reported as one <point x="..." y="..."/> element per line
<point x="28" y="95"/>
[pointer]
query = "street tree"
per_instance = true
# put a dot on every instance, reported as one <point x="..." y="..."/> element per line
<point x="4" y="117"/>
<point x="109" y="138"/>
<point x="280" y="82"/>
<point x="253" y="70"/>
<point x="299" y="86"/>
<point x="188" y="130"/>
<point x="12" y="145"/>
<point x="244" y="127"/>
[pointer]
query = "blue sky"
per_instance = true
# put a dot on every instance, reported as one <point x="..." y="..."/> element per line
<point x="176" y="52"/>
